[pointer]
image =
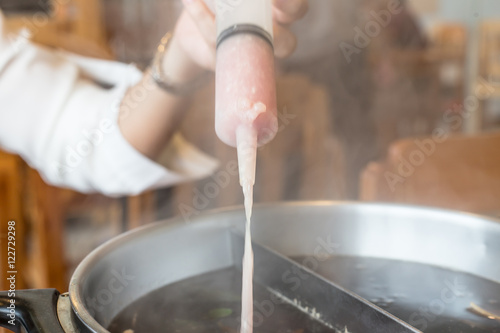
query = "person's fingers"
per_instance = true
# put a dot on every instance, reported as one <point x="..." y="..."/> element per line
<point x="189" y="36"/>
<point x="204" y="19"/>
<point x="211" y="5"/>
<point x="285" y="41"/>
<point x="288" y="11"/>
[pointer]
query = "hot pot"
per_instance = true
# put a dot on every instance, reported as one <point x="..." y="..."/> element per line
<point x="139" y="262"/>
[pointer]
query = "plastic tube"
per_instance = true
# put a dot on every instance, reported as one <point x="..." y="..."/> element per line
<point x="245" y="77"/>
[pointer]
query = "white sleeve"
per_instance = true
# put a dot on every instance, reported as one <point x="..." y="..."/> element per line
<point x="64" y="124"/>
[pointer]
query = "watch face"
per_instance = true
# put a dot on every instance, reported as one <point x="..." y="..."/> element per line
<point x="24" y="6"/>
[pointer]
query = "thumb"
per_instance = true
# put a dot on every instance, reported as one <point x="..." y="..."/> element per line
<point x="204" y="19"/>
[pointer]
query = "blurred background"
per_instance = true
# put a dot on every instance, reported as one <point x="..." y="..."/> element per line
<point x="384" y="100"/>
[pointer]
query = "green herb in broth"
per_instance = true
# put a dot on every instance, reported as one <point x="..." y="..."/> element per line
<point x="220" y="313"/>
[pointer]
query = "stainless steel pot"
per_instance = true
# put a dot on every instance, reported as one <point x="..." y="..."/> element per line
<point x="138" y="262"/>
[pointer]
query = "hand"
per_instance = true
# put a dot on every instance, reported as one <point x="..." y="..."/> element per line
<point x="195" y="33"/>
<point x="191" y="51"/>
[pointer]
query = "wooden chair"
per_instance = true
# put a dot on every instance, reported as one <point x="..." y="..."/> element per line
<point x="45" y="209"/>
<point x="11" y="210"/>
<point x="37" y="211"/>
<point x="460" y="172"/>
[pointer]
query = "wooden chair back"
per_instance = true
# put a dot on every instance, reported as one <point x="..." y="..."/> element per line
<point x="459" y="172"/>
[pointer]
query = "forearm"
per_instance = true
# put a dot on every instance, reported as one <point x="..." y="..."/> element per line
<point x="149" y="115"/>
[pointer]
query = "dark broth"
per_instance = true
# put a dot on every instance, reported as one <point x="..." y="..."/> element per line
<point x="211" y="303"/>
<point x="430" y="298"/>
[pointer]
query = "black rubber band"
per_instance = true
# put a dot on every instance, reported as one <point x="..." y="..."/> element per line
<point x="245" y="28"/>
